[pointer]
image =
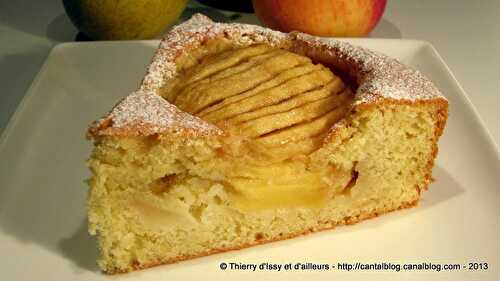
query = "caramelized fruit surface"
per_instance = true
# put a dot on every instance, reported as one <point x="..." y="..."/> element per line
<point x="272" y="96"/>
<point x="281" y="105"/>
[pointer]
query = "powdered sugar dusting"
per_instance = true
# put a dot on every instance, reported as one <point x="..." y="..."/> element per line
<point x="146" y="112"/>
<point x="149" y="108"/>
<point x="377" y="75"/>
<point x="162" y="67"/>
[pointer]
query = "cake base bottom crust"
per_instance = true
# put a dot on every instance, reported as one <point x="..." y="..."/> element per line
<point x="348" y="221"/>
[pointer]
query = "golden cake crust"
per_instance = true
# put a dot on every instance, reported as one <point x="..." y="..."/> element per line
<point x="379" y="79"/>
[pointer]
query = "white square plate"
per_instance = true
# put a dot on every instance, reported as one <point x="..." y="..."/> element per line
<point x="42" y="191"/>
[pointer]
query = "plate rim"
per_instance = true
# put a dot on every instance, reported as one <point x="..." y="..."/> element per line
<point x="15" y="118"/>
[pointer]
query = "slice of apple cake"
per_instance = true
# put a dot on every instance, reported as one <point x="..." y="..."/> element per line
<point x="239" y="135"/>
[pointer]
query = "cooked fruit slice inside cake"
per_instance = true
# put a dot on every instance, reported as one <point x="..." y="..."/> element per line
<point x="281" y="147"/>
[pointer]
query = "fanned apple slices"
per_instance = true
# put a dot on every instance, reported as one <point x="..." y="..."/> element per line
<point x="280" y="99"/>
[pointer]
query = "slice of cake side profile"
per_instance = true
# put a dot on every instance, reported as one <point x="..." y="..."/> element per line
<point x="239" y="135"/>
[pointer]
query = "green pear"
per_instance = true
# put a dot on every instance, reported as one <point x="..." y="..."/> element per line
<point x="123" y="19"/>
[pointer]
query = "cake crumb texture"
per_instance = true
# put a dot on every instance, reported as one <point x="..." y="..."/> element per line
<point x="157" y="200"/>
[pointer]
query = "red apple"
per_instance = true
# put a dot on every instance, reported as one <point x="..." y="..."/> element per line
<point x="321" y="17"/>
